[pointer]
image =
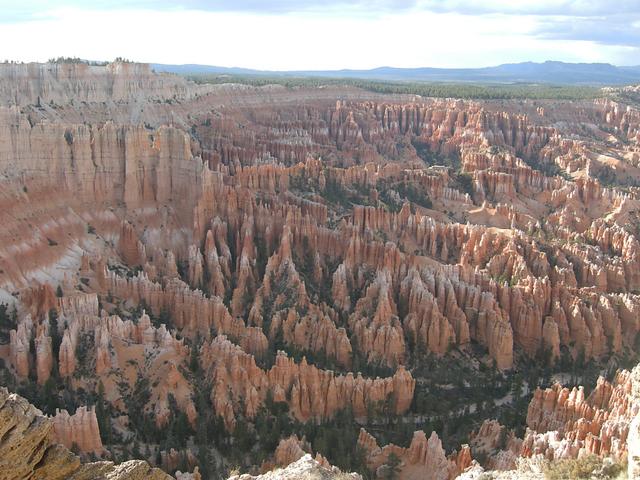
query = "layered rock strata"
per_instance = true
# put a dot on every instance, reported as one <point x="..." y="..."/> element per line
<point x="28" y="450"/>
<point x="239" y="385"/>
<point x="424" y="458"/>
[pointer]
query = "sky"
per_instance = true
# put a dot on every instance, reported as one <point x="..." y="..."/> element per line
<point x="323" y="34"/>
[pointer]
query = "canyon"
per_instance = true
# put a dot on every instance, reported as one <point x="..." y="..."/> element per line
<point x="195" y="277"/>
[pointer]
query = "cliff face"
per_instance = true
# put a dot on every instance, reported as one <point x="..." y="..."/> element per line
<point x="80" y="430"/>
<point x="563" y="424"/>
<point x="598" y="424"/>
<point x="312" y="393"/>
<point x="215" y="250"/>
<point x="66" y="177"/>
<point x="305" y="467"/>
<point x="58" y="84"/>
<point x="424" y="458"/>
<point x="28" y="449"/>
<point x="107" y="162"/>
<point x="144" y="167"/>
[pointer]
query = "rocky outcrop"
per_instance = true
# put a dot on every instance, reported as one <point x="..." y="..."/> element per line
<point x="98" y="345"/>
<point x="130" y="248"/>
<point x="171" y="459"/>
<point x="19" y="340"/>
<point x="304" y="468"/>
<point x="424" y="458"/>
<point x="497" y="444"/>
<point x="28" y="450"/>
<point x="361" y="232"/>
<point x="424" y="323"/>
<point x="60" y="83"/>
<point x="375" y="324"/>
<point x="291" y="449"/>
<point x="314" y="393"/>
<point x="79" y="430"/>
<point x="44" y="354"/>
<point x="562" y="424"/>
<point x="634" y="449"/>
<point x="598" y="424"/>
<point x="281" y="299"/>
<point x="191" y="311"/>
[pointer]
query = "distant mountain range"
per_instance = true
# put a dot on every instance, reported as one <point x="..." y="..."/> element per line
<point x="549" y="72"/>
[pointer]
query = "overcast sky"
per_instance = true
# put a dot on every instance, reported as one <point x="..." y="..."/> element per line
<point x="323" y="34"/>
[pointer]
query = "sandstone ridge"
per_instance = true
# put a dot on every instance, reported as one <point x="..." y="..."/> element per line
<point x="27" y="450"/>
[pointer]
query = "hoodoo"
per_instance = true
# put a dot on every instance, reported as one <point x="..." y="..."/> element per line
<point x="214" y="279"/>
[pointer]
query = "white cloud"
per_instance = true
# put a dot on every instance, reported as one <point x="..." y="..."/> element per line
<point x="293" y="41"/>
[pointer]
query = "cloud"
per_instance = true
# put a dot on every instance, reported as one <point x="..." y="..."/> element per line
<point x="598" y="21"/>
<point x="301" y="35"/>
<point x="10" y="9"/>
<point x="571" y="8"/>
<point x="580" y="8"/>
<point x="610" y="30"/>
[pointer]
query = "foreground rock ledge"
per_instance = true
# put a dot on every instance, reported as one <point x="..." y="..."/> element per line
<point x="27" y="450"/>
<point x="306" y="468"/>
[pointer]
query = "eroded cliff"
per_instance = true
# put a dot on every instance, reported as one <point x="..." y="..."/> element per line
<point x="193" y="263"/>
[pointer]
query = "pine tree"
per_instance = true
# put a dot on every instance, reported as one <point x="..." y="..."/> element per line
<point x="102" y="416"/>
<point x="50" y="396"/>
<point x="56" y="338"/>
<point x="194" y="363"/>
<point x="393" y="467"/>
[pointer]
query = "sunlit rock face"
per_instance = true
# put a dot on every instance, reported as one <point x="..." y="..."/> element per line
<point x="30" y="447"/>
<point x="304" y="467"/>
<point x="424" y="457"/>
<point x="564" y="424"/>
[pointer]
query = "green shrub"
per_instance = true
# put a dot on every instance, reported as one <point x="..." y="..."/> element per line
<point x="588" y="466"/>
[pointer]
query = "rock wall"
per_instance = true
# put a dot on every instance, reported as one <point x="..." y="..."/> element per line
<point x="28" y="449"/>
<point x="310" y="392"/>
<point x="61" y="83"/>
<point x="562" y="423"/>
<point x="79" y="430"/>
<point x="305" y="467"/>
<point x="358" y="229"/>
<point x="598" y="424"/>
<point x="424" y="458"/>
<point x="147" y="166"/>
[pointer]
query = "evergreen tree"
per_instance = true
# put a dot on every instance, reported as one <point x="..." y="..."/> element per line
<point x="392" y="467"/>
<point x="50" y="396"/>
<point x="104" y="422"/>
<point x="194" y="363"/>
<point x="56" y="338"/>
<point x="8" y="321"/>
